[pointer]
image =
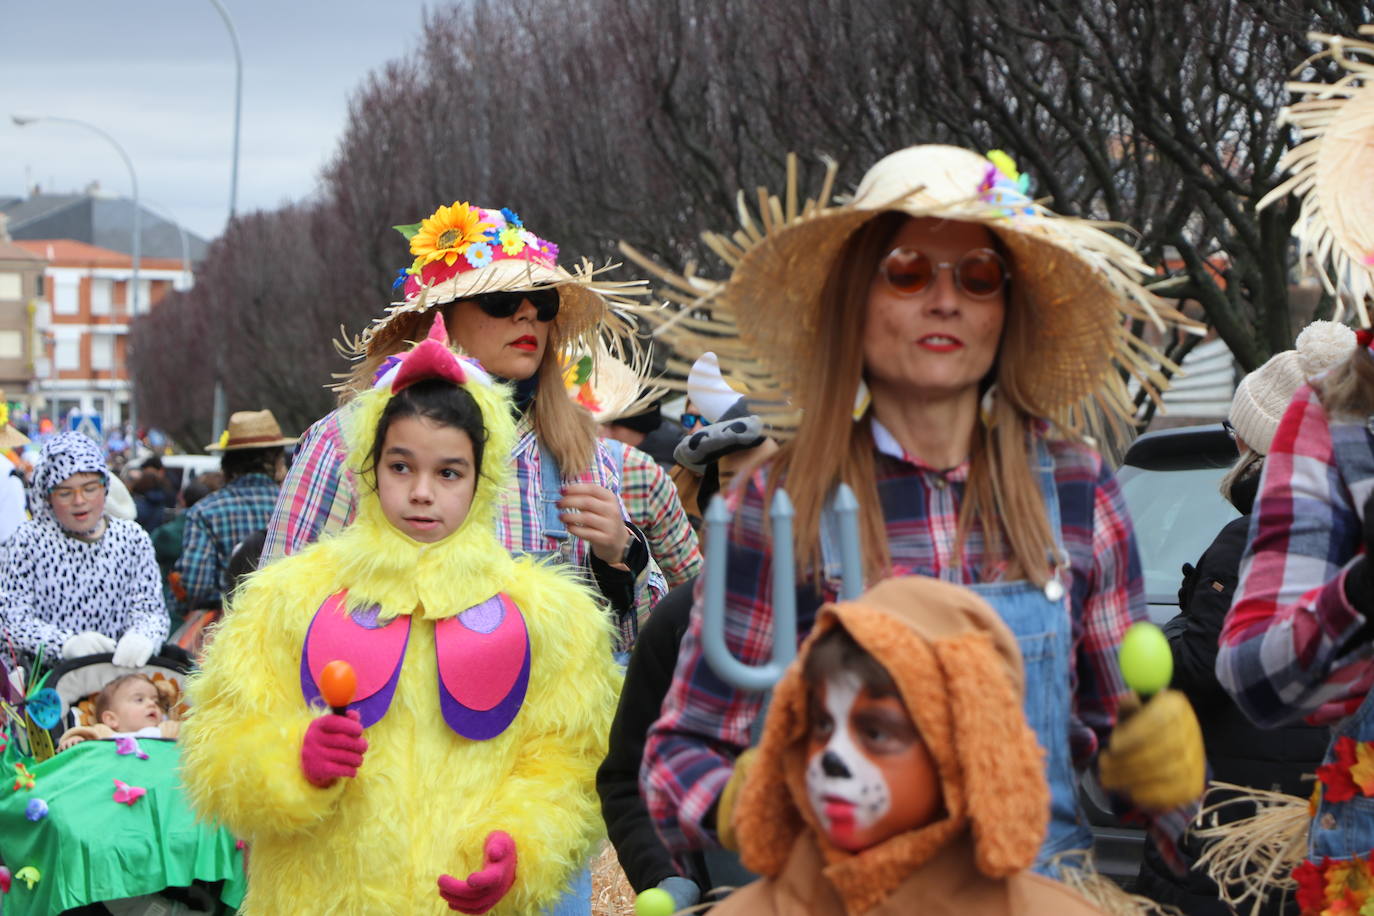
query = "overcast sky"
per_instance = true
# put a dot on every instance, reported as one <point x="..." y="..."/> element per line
<point x="158" y="75"/>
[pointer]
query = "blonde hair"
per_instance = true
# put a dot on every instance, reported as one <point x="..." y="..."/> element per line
<point x="1002" y="498"/>
<point x="1247" y="465"/>
<point x="1347" y="391"/>
<point x="565" y="428"/>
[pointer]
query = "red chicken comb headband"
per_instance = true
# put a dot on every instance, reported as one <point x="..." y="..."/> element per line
<point x="430" y="358"/>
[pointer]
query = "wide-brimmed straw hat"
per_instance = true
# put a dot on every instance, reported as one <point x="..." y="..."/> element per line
<point x="463" y="250"/>
<point x="9" y="436"/>
<point x="1080" y="283"/>
<point x="613" y="383"/>
<point x="1331" y="171"/>
<point x="250" y="429"/>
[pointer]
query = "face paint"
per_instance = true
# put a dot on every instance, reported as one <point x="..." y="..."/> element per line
<point x="869" y="775"/>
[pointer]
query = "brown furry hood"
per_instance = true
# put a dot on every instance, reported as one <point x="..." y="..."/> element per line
<point x="959" y="672"/>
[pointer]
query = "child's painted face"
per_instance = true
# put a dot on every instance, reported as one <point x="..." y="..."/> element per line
<point x="425" y="478"/>
<point x="134" y="705"/>
<point x="869" y="775"/>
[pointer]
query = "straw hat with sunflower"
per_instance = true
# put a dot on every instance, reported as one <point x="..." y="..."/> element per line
<point x="463" y="251"/>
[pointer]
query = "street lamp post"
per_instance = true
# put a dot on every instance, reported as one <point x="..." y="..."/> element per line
<point x="220" y="408"/>
<point x="24" y="121"/>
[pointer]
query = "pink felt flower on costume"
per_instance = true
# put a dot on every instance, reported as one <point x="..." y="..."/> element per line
<point x="126" y="794"/>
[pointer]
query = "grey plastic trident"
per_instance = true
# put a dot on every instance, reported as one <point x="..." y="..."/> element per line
<point x="784" y="574"/>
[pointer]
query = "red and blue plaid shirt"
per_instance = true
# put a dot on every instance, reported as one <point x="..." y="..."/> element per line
<point x="1288" y="649"/>
<point x="705" y="723"/>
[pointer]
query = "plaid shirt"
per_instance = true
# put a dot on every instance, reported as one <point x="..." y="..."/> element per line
<point x="319" y="496"/>
<point x="1288" y="648"/>
<point x="214" y="527"/>
<point x="705" y="723"/>
<point x="653" y="505"/>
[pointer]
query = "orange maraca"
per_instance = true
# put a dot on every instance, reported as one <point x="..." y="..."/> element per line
<point x="338" y="683"/>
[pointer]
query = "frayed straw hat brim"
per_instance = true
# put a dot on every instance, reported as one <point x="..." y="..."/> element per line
<point x="1081" y="283"/>
<point x="11" y="437"/>
<point x="1330" y="172"/>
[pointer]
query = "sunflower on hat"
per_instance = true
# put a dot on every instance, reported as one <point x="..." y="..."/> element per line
<point x="447" y="234"/>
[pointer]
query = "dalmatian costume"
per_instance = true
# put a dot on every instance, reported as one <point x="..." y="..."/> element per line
<point x="55" y="585"/>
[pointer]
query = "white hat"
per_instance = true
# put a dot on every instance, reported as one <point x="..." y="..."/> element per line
<point x="1263" y="395"/>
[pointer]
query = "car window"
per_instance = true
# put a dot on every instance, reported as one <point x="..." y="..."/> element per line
<point x="1176" y="515"/>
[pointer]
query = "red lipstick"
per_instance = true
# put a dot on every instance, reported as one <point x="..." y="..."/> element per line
<point x="527" y="343"/>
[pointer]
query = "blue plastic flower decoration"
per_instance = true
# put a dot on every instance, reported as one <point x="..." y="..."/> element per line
<point x="512" y="218"/>
<point x="478" y="254"/>
<point x="401" y="276"/>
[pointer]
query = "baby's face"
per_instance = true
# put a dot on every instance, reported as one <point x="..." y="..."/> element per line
<point x="869" y="776"/>
<point x="134" y="706"/>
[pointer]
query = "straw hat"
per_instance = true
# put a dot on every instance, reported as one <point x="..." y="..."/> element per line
<point x="1331" y="169"/>
<point x="1080" y="282"/>
<point x="463" y="251"/>
<point x="612" y="386"/>
<point x="250" y="429"/>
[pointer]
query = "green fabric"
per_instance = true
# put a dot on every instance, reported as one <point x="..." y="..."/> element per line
<point x="91" y="848"/>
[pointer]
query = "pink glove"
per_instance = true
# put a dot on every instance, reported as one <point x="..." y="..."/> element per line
<point x="333" y="747"/>
<point x="483" y="889"/>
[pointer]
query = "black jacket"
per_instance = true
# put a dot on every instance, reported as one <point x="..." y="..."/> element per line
<point x="642" y="855"/>
<point x="1237" y="751"/>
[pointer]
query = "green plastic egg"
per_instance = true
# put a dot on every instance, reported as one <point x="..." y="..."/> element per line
<point x="654" y="902"/>
<point x="1147" y="663"/>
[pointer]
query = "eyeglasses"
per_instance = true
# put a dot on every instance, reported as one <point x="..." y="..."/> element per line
<point x="506" y="304"/>
<point x="65" y="495"/>
<point x="691" y="420"/>
<point x="979" y="274"/>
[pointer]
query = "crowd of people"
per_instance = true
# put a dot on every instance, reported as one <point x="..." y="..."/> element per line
<point x="470" y="625"/>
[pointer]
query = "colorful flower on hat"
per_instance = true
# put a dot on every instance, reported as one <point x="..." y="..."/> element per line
<point x="478" y="254"/>
<point x="512" y="218"/>
<point x="1003" y="185"/>
<point x="512" y="240"/>
<point x="448" y="233"/>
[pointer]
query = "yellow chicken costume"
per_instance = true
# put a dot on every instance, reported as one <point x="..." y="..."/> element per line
<point x="425" y="797"/>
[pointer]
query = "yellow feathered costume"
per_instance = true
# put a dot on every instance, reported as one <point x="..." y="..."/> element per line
<point x="424" y="798"/>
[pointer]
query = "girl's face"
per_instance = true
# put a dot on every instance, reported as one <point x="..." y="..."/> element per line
<point x="78" y="503"/>
<point x="938" y="342"/>
<point x="510" y="347"/>
<point x="425" y="478"/>
<point x="869" y="775"/>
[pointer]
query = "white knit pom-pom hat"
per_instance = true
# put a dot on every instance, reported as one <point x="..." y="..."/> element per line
<point x="1263" y="395"/>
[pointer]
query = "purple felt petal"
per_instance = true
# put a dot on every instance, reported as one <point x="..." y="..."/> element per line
<point x="485" y="617"/>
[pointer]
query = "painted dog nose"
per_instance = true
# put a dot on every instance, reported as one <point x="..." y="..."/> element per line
<point x="833" y="766"/>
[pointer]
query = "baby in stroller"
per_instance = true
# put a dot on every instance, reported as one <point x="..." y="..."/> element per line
<point x="130" y="706"/>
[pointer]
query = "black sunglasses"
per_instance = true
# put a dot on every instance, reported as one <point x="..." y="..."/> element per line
<point x="506" y="304"/>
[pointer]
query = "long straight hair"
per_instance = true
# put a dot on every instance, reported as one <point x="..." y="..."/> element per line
<point x="1002" y="498"/>
<point x="565" y="428"/>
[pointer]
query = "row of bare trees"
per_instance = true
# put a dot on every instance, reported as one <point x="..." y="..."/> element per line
<point x="602" y="120"/>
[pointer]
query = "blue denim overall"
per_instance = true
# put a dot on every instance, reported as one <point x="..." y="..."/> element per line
<point x="1341" y="830"/>
<point x="1044" y="633"/>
